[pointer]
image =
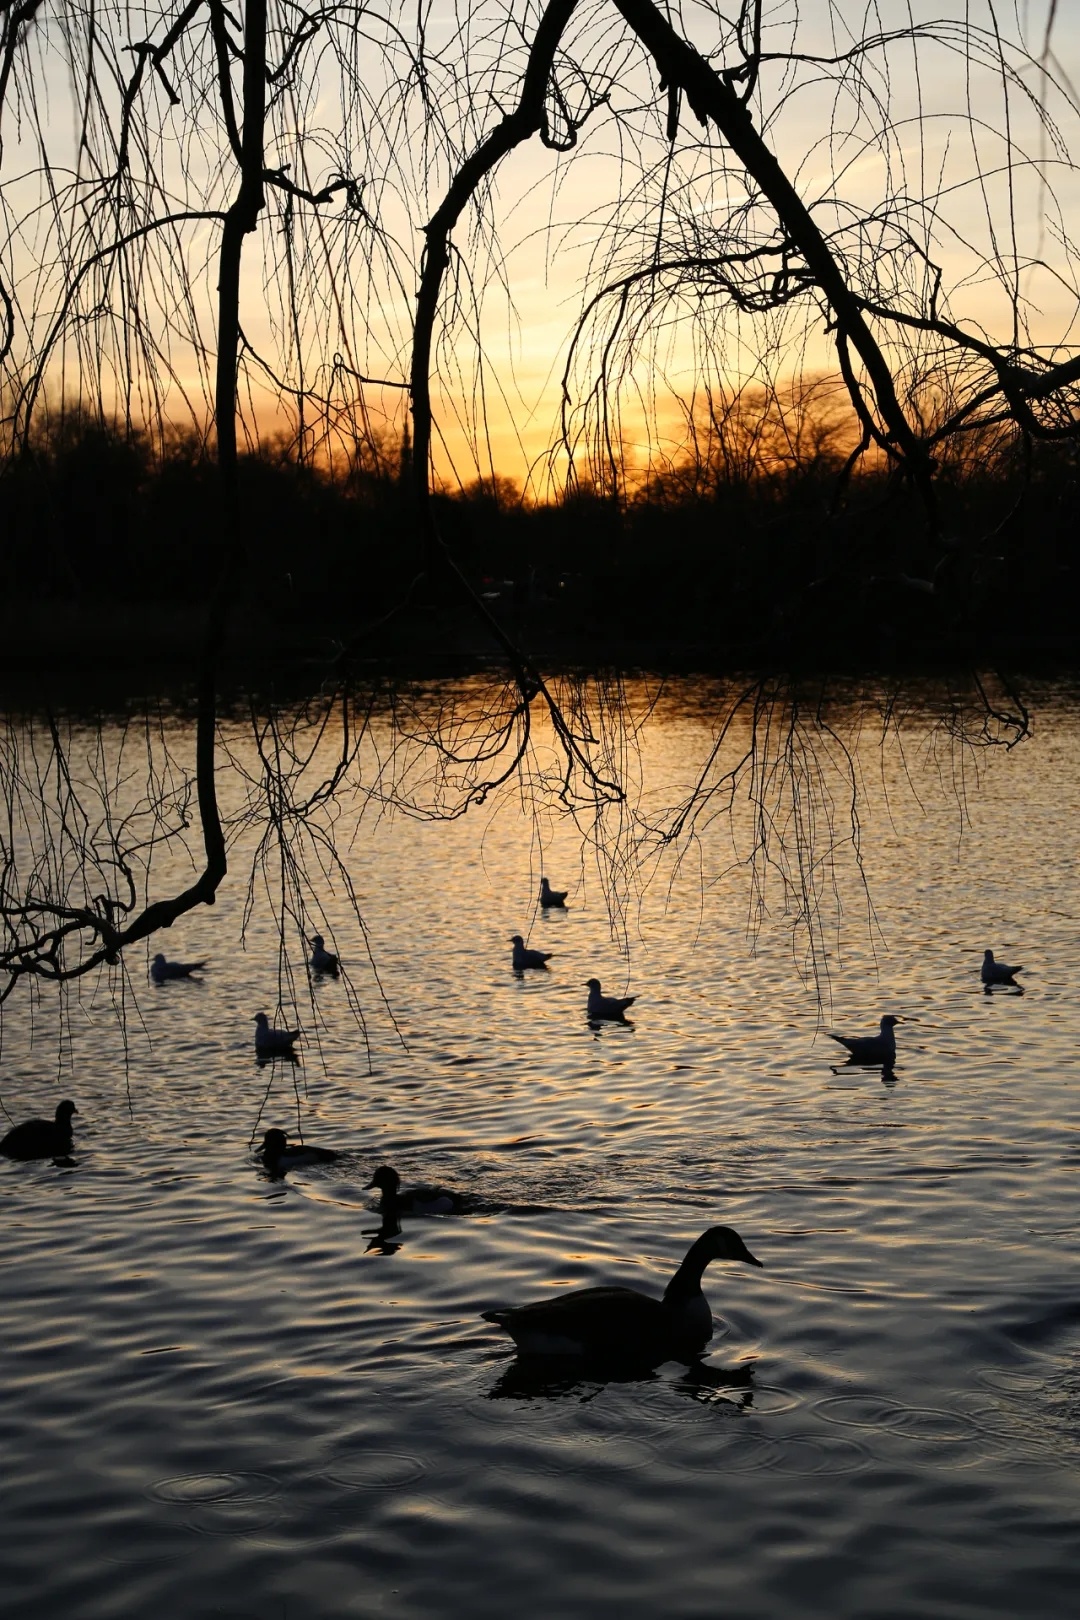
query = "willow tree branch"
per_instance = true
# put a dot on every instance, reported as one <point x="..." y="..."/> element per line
<point x="711" y="97"/>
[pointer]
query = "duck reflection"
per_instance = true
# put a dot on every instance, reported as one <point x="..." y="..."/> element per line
<point x="384" y="1239"/>
<point x="533" y="1378"/>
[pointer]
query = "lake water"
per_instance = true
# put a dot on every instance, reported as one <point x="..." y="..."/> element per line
<point x="220" y="1397"/>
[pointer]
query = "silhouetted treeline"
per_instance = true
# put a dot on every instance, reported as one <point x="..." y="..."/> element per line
<point x="751" y="544"/>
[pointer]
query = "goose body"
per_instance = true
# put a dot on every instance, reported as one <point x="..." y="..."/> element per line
<point x="551" y="897"/>
<point x="161" y="971"/>
<point x="601" y="1006"/>
<point x="322" y="960"/>
<point x="41" y="1138"/>
<point x="271" y="1042"/>
<point x="279" y="1154"/>
<point x="997" y="972"/>
<point x="524" y="958"/>
<point x="397" y="1200"/>
<point x="880" y="1048"/>
<point x="623" y="1323"/>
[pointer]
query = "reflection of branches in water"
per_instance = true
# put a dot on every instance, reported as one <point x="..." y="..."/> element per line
<point x="97" y="818"/>
<point x="783" y="781"/>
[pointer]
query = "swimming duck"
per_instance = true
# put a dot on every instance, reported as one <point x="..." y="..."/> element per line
<point x="396" y="1201"/>
<point x="279" y="1154"/>
<point x="271" y="1042"/>
<point x="160" y="970"/>
<point x="524" y="958"/>
<point x="623" y="1323"/>
<point x="550" y="896"/>
<point x="41" y="1138"/>
<point x="322" y="960"/>
<point x="997" y="972"/>
<point x="872" y="1048"/>
<point x="606" y="1006"/>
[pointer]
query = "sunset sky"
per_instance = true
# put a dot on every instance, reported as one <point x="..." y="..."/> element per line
<point x="556" y="227"/>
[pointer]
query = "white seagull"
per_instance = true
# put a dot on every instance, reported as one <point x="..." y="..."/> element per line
<point x="550" y="896"/>
<point x="601" y="1006"/>
<point x="270" y="1042"/>
<point x="872" y="1048"/>
<point x="160" y="970"/>
<point x="322" y="960"/>
<point x="524" y="958"/>
<point x="997" y="972"/>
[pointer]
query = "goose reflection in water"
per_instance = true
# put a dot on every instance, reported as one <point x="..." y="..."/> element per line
<point x="529" y="1379"/>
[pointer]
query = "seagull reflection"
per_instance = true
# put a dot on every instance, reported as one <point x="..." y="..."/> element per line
<point x="1003" y="989"/>
<point x="888" y="1071"/>
<point x="529" y="1378"/>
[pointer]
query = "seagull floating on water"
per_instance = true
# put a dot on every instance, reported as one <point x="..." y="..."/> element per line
<point x="271" y="1042"/>
<point x="41" y="1138"/>
<point x="624" y="1323"/>
<point x="550" y="896"/>
<point x="524" y="958"/>
<point x="279" y="1154"/>
<point x="600" y="1006"/>
<point x="997" y="972"/>
<point x="322" y="960"/>
<point x="160" y="970"/>
<point x="396" y="1201"/>
<point x="872" y="1048"/>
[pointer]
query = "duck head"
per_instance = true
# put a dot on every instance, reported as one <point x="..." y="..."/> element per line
<point x="386" y="1180"/>
<point x="274" y="1144"/>
<point x="64" y="1111"/>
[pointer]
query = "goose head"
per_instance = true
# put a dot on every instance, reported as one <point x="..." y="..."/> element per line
<point x="724" y="1243"/>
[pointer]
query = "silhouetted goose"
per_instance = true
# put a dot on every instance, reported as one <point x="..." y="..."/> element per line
<point x="997" y="972"/>
<point x="397" y="1200"/>
<point x="271" y="1042"/>
<point x="41" y="1138"/>
<point x="550" y="896"/>
<point x="623" y="1323"/>
<point x="872" y="1048"/>
<point x="322" y="960"/>
<point x="160" y="970"/>
<point x="524" y="958"/>
<point x="606" y="1006"/>
<point x="279" y="1154"/>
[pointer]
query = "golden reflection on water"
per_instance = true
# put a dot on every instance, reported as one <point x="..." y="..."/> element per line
<point x="910" y="1346"/>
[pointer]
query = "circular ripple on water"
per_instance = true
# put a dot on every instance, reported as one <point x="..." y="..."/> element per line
<point x="738" y="1451"/>
<point x="814" y="1454"/>
<point x="914" y="1422"/>
<point x="593" y="1452"/>
<point x="196" y="1489"/>
<point x="233" y="1518"/>
<point x="1009" y="1381"/>
<point x="376" y="1471"/>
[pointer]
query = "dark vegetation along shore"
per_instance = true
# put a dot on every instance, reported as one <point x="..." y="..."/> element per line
<point x="723" y="560"/>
